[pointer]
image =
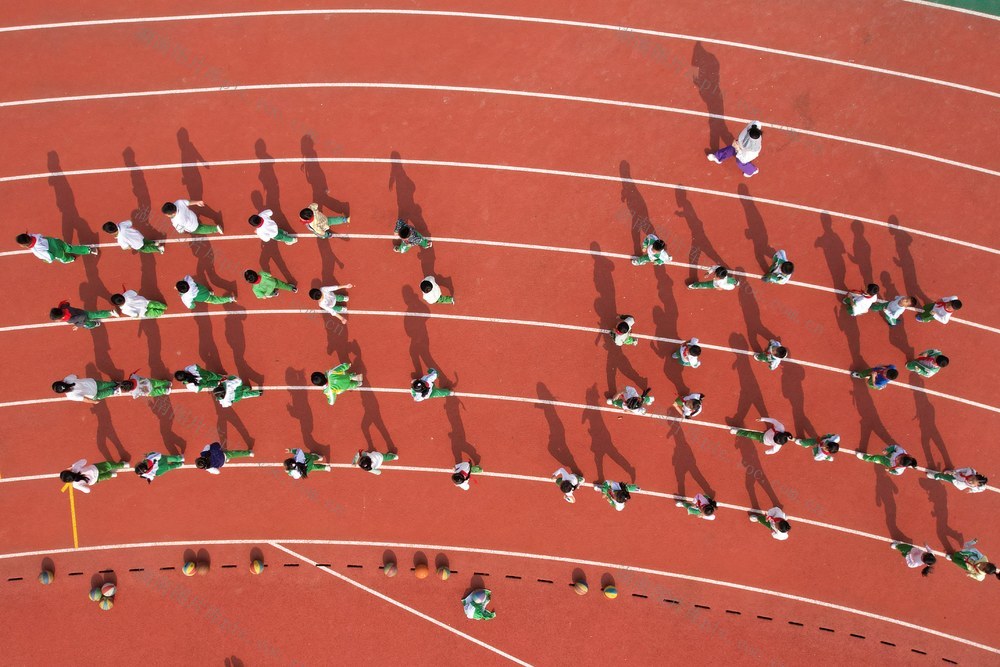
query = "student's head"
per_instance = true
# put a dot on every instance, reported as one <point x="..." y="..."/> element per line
<point x="69" y="476"/>
<point x="907" y="461"/>
<point x="110" y="227"/>
<point x="127" y="385"/>
<point x="978" y="480"/>
<point x="318" y="378"/>
<point x="118" y="299"/>
<point x="955" y="304"/>
<point x="306" y="215"/>
<point x="721" y="272"/>
<point x="365" y="462"/>
<point x="621" y="494"/>
<point x="404" y="232"/>
<point x="781" y="438"/>
<point x="142" y="468"/>
<point x="185" y="377"/>
<point x="458" y="478"/>
<point x="420" y="387"/>
<point x="169" y="209"/>
<point x="695" y="404"/>
<point x="755" y="132"/>
<point x="255" y="220"/>
<point x="787" y="268"/>
<point x="783" y="526"/>
<point x="633" y="403"/>
<point x="566" y="486"/>
<point x="781" y="352"/>
<point x="928" y="558"/>
<point x="989" y="568"/>
<point x="942" y="360"/>
<point x="694" y="350"/>
<point x="426" y="286"/>
<point x="709" y="509"/>
<point x="251" y="276"/>
<point x="55" y="314"/>
<point x="182" y="286"/>
<point x="289" y="464"/>
<point x="907" y="302"/>
<point x="315" y="294"/>
<point x="892" y="373"/>
<point x="61" y="387"/>
<point x="658" y="245"/>
<point x="201" y="463"/>
<point x="831" y="447"/>
<point x="23" y="240"/>
<point x="622" y="327"/>
<point x="872" y="289"/>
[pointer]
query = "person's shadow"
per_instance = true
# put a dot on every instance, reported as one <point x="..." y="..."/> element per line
<point x="191" y="163"/>
<point x="416" y="329"/>
<point x="299" y="410"/>
<point x="607" y="317"/>
<point x="106" y="433"/>
<point x="685" y="463"/>
<point x="897" y="334"/>
<point x="558" y="447"/>
<point x="600" y="438"/>
<point x="792" y="377"/>
<point x="937" y="493"/>
<point x="208" y="350"/>
<point x="226" y="417"/>
<point x="756" y="231"/>
<point x="756" y="329"/>
<point x="870" y="423"/>
<point x="852" y="333"/>
<point x="751" y="463"/>
<point x="316" y="178"/>
<point x="237" y="339"/>
<point x="372" y="412"/>
<point x="834" y="251"/>
<point x="163" y="409"/>
<point x="707" y="81"/>
<point x="408" y="209"/>
<point x="885" y="497"/>
<point x="700" y="243"/>
<point x="930" y="435"/>
<point x="665" y="322"/>
<point x="904" y="260"/>
<point x="461" y="448"/>
<point x="270" y="198"/>
<point x="637" y="208"/>
<point x="862" y="252"/>
<point x="750" y="395"/>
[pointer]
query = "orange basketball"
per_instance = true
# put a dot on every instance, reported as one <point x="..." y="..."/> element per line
<point x="421" y="571"/>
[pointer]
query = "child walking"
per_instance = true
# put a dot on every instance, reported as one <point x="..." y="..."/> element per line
<point x="83" y="476"/>
<point x="155" y="464"/>
<point x="916" y="556"/>
<point x="631" y="401"/>
<point x="132" y="304"/>
<point x="408" y="238"/>
<point x="773" y="355"/>
<point x="424" y="388"/>
<point x="463" y="473"/>
<point x="568" y="483"/>
<point x="430" y="291"/>
<point x="774" y="520"/>
<point x="895" y="459"/>
<point x="928" y="363"/>
<point x="372" y="461"/>
<point x="266" y="286"/>
<point x="823" y="448"/>
<point x="964" y="479"/>
<point x="616" y="493"/>
<point x="85" y="390"/>
<point x="49" y="249"/>
<point x="141" y="387"/>
<point x="654" y="251"/>
<point x="130" y="238"/>
<point x="184" y="220"/>
<point x="213" y="457"/>
<point x="719" y="279"/>
<point x="941" y="310"/>
<point x="318" y="223"/>
<point x="893" y="310"/>
<point x="232" y="390"/>
<point x="775" y="435"/>
<point x="300" y="464"/>
<point x="781" y="269"/>
<point x="877" y="377"/>
<point x="267" y="229"/>
<point x="197" y="379"/>
<point x="703" y="507"/>
<point x="77" y="317"/>
<point x="689" y="406"/>
<point x="859" y="302"/>
<point x="973" y="561"/>
<point x="622" y="333"/>
<point x="336" y="381"/>
<point x="330" y="301"/>
<point x="745" y="149"/>
<point x="689" y="354"/>
<point x="192" y="293"/>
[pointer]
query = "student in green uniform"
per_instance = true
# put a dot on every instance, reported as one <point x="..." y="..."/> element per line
<point x="141" y="387"/>
<point x="409" y="238"/>
<point x="232" y="390"/>
<point x="77" y="317"/>
<point x="895" y="459"/>
<point x="823" y="448"/>
<point x="197" y="379"/>
<point x="616" y="493"/>
<point x="372" y="461"/>
<point x="192" y="293"/>
<point x="424" y="388"/>
<point x="155" y="464"/>
<point x="336" y="381"/>
<point x="703" y="507"/>
<point x="265" y="285"/>
<point x="302" y="463"/>
<point x="718" y="278"/>
<point x="50" y="249"/>
<point x="928" y="363"/>
<point x="781" y="269"/>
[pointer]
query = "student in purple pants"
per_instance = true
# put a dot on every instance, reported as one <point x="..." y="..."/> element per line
<point x="745" y="149"/>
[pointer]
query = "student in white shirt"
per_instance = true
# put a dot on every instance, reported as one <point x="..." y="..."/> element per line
<point x="773" y="355"/>
<point x="616" y="493"/>
<point x="83" y="476"/>
<point x="330" y="301"/>
<point x="185" y="220"/>
<point x="131" y="304"/>
<point x="745" y="149"/>
<point x="689" y="354"/>
<point x="916" y="557"/>
<point x="940" y="310"/>
<point x="964" y="479"/>
<point x="267" y="229"/>
<point x="631" y="401"/>
<point x="568" y="483"/>
<point x="85" y="390"/>
<point x="130" y="238"/>
<point x="430" y="291"/>
<point x="703" y="507"/>
<point x="860" y="302"/>
<point x="775" y="436"/>
<point x="775" y="521"/>
<point x="372" y="461"/>
<point x="718" y="278"/>
<point x="463" y="473"/>
<point x="893" y="310"/>
<point x="622" y="333"/>
<point x="689" y="406"/>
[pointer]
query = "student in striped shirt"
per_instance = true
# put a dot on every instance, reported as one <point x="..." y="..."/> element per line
<point x="409" y="238"/>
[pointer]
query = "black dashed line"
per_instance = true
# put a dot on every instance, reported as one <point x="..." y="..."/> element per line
<point x="323" y="565"/>
<point x="545" y="581"/>
<point x="951" y="662"/>
<point x="916" y="650"/>
<point x="764" y="618"/>
<point x="882" y="641"/>
<point x="825" y="629"/>
<point x="228" y="567"/>
<point x="514" y="576"/>
<point x="796" y="624"/>
<point x="671" y="601"/>
<point x="16" y="579"/>
<point x="76" y="574"/>
<point x="105" y="571"/>
<point x="169" y="567"/>
<point x="640" y="595"/>
<point x="480" y="574"/>
<point x="357" y="567"/>
<point x="290" y="564"/>
<point x="730" y="611"/>
<point x="858" y="636"/>
<point x="701" y="606"/>
<point x="137" y="569"/>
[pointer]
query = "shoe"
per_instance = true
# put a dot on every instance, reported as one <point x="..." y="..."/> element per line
<point x="679" y="504"/>
<point x="749" y="175"/>
<point x="860" y="455"/>
<point x="635" y="262"/>
<point x="251" y="454"/>
<point x="610" y="402"/>
<point x="711" y="158"/>
<point x="218" y="229"/>
<point x="347" y="298"/>
<point x="894" y="544"/>
<point x="733" y="431"/>
<point x="347" y="220"/>
<point x="855" y="374"/>
<point x="160" y="248"/>
<point x="753" y="517"/>
<point x="669" y="258"/>
<point x="295" y="289"/>
<point x="930" y="475"/>
<point x="115" y="313"/>
<point x="94" y="250"/>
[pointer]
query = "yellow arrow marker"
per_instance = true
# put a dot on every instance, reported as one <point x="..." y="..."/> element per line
<point x="72" y="513"/>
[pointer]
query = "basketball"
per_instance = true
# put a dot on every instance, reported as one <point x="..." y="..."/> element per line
<point x="444" y="573"/>
<point x="256" y="566"/>
<point x="188" y="569"/>
<point x="421" y="571"/>
<point x="108" y="590"/>
<point x="581" y="587"/>
<point x="95" y="594"/>
<point x="46" y="577"/>
<point x="610" y="592"/>
<point x="201" y="568"/>
<point x="389" y="569"/>
<point x="107" y="603"/>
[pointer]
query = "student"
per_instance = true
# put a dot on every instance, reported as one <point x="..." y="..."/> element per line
<point x="197" y="379"/>
<point x="474" y="604"/>
<point x="192" y="293"/>
<point x="155" y="464"/>
<point x="330" y="301"/>
<point x="318" y="223"/>
<point x="372" y="461"/>
<point x="775" y="435"/>
<point x="703" y="507"/>
<point x="266" y="286"/>
<point x="654" y="251"/>
<point x="301" y="464"/>
<point x="423" y="388"/>
<point x="408" y="238"/>
<point x="267" y="229"/>
<point x="213" y="457"/>
<point x="85" y="390"/>
<point x="859" y="302"/>
<point x="336" y="381"/>
<point x="689" y="354"/>
<point x="781" y="269"/>
<point x="964" y="479"/>
<point x="131" y="304"/>
<point x="184" y="220"/>
<point x="232" y="390"/>
<point x="916" y="557"/>
<point x="83" y="476"/>
<point x="720" y="279"/>
<point x="973" y="561"/>
<point x="430" y="291"/>
<point x="622" y="333"/>
<point x="130" y="238"/>
<point x="773" y="355"/>
<point x="49" y="249"/>
<point x="745" y="149"/>
<point x="877" y="377"/>
<point x="689" y="406"/>
<point x="928" y="363"/>
<point x="893" y="310"/>
<point x="631" y="401"/>
<point x="568" y="483"/>
<point x="941" y="310"/>
<point x="77" y="317"/>
<point x="616" y="493"/>
<point x="895" y="459"/>
<point x="774" y="520"/>
<point x="463" y="474"/>
<point x="823" y="448"/>
<point x="141" y="387"/>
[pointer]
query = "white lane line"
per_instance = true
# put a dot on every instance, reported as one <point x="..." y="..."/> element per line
<point x="402" y="606"/>
<point x="622" y="31"/>
<point x="848" y="453"/>
<point x="514" y="554"/>
<point x="495" y="91"/>
<point x="618" y="180"/>
<point x="962" y="10"/>
<point x="496" y="320"/>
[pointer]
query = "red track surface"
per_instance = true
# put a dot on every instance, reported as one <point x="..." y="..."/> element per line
<point x="306" y="615"/>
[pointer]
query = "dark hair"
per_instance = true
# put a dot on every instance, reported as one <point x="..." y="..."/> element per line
<point x="127" y="385"/>
<point x="787" y="268"/>
<point x="289" y="464"/>
<point x="907" y="461"/>
<point x="55" y="314"/>
<point x="182" y="286"/>
<point x="201" y="463"/>
<point x="118" y="299"/>
<point x="22" y="239"/>
<point x="255" y="220"/>
<point x="315" y="294"/>
<point x="755" y="132"/>
<point x="942" y="360"/>
<point x="622" y="327"/>
<point x="871" y="289"/>
<point x="980" y="478"/>
<point x="566" y="486"/>
<point x="318" y="378"/>
<point x="709" y="508"/>
<point x="168" y="209"/>
<point x="694" y="350"/>
<point x="250" y="276"/>
<point x="426" y="286"/>
<point x="110" y="227"/>
<point x="926" y="571"/>
<point x="990" y="568"/>
<point x="781" y="438"/>
<point x="622" y="495"/>
<point x="458" y="478"/>
<point x="404" y="232"/>
<point x="220" y="390"/>
<point x="658" y="245"/>
<point x="892" y="373"/>
<point x="832" y="447"/>
<point x="783" y="526"/>
<point x="69" y="477"/>
<point x="365" y="462"/>
<point x="928" y="558"/>
<point x="956" y="304"/>
<point x="61" y="387"/>
<point x="721" y="272"/>
<point x="420" y="387"/>
<point x="306" y="214"/>
<point x="781" y="352"/>
<point x="292" y="464"/>
<point x="142" y="467"/>
<point x="633" y="403"/>
<point x="695" y="404"/>
<point x="184" y="376"/>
